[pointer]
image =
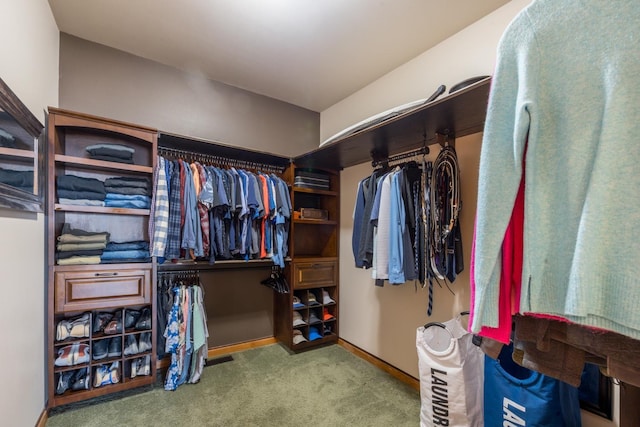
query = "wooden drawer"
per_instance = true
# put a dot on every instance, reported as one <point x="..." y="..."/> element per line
<point x="314" y="274"/>
<point x="102" y="287"/>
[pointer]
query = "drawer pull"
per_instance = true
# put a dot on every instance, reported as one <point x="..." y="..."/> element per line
<point x="115" y="273"/>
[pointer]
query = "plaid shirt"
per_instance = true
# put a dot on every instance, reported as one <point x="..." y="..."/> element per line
<point x="160" y="212"/>
<point x="172" y="250"/>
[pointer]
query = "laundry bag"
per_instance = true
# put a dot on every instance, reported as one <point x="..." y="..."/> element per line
<point x="515" y="396"/>
<point x="451" y="376"/>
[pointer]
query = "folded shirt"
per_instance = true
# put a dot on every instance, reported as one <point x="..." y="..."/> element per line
<point x="80" y="202"/>
<point x="69" y="254"/>
<point x="70" y="235"/>
<point x="16" y="178"/>
<point x="79" y="260"/>
<point x="134" y="254"/>
<point x="79" y="183"/>
<point x="61" y="247"/>
<point x="76" y="195"/>
<point x="131" y="204"/>
<point x="111" y="152"/>
<point x="128" y="182"/>
<point x="130" y="191"/>
<point x="127" y="246"/>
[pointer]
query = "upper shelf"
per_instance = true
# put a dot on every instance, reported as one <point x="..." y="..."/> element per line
<point x="462" y="113"/>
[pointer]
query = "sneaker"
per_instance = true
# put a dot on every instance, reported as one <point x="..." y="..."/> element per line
<point x="115" y="347"/>
<point x="105" y="375"/>
<point x="131" y="346"/>
<point x="66" y="355"/>
<point x="76" y="328"/>
<point x="100" y="349"/>
<point x="82" y="354"/>
<point x="144" y="366"/>
<point x="115" y="325"/>
<point x="145" y="342"/>
<point x="130" y="318"/>
<point x="79" y="327"/>
<point x="64" y="380"/>
<point x="80" y="379"/>
<point x="144" y="322"/>
<point x="100" y="320"/>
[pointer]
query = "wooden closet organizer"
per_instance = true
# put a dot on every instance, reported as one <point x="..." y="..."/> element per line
<point x="312" y="266"/>
<point x="77" y="290"/>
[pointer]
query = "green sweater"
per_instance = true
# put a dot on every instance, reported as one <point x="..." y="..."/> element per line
<point x="566" y="98"/>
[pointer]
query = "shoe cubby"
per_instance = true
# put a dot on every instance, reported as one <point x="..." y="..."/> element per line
<point x="101" y="351"/>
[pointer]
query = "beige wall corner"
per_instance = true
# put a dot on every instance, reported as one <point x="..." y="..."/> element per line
<point x="29" y="51"/>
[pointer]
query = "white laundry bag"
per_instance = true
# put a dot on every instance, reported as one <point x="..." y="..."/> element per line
<point x="451" y="371"/>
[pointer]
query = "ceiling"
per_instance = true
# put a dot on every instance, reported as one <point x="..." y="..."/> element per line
<point x="308" y="53"/>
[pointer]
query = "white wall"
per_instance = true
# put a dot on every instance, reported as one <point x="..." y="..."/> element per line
<point x="383" y="321"/>
<point x="29" y="65"/>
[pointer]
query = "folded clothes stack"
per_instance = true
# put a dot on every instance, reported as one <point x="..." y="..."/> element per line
<point x="313" y="180"/>
<point x="111" y="153"/>
<point x="22" y="180"/>
<point x="77" y="246"/>
<point x="128" y="192"/>
<point x="120" y="252"/>
<point x="78" y="190"/>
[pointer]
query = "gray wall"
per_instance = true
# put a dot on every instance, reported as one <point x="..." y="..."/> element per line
<point x="99" y="80"/>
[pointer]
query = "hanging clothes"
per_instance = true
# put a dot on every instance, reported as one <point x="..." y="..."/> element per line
<point x="406" y="223"/>
<point x="186" y="334"/>
<point x="206" y="212"/>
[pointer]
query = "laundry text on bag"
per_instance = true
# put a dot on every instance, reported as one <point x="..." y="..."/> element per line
<point x="440" y="402"/>
<point x="511" y="419"/>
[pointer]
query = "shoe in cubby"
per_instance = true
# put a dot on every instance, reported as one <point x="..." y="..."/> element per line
<point x="72" y="354"/>
<point x="106" y="374"/>
<point x="77" y="327"/>
<point x="144" y="342"/>
<point x="115" y="324"/>
<point x="115" y="347"/>
<point x="81" y="379"/>
<point x="100" y="349"/>
<point x="131" y="317"/>
<point x="141" y="366"/>
<point x="100" y="320"/>
<point x="144" y="321"/>
<point x="130" y="345"/>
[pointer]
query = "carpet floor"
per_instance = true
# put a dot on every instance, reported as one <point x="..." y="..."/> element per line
<point x="264" y="387"/>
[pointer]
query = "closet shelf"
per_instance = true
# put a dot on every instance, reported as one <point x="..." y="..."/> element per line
<point x="313" y="191"/>
<point x="461" y="113"/>
<point x="315" y="221"/>
<point x="218" y="265"/>
<point x="81" y="162"/>
<point x="14" y="152"/>
<point x="101" y="210"/>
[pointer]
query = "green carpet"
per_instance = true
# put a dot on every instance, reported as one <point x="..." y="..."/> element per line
<point x="267" y="386"/>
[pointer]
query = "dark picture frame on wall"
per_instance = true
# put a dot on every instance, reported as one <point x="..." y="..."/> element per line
<point x="21" y="155"/>
<point x="596" y="392"/>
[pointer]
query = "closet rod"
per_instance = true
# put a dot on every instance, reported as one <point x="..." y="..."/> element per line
<point x="420" y="151"/>
<point x="215" y="160"/>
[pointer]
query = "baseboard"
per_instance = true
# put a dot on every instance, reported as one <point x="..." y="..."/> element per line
<point x="390" y="369"/>
<point x="42" y="420"/>
<point x="225" y="349"/>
